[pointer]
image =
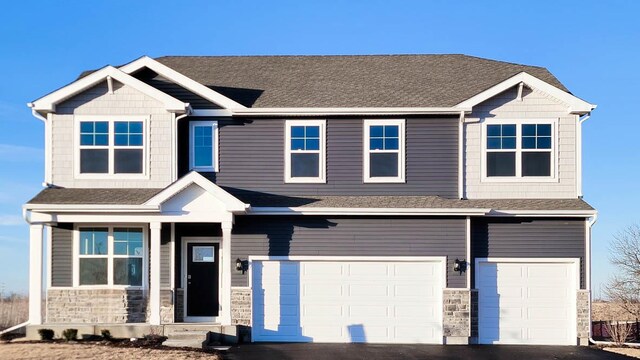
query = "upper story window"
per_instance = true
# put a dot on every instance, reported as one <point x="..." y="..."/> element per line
<point x="384" y="151"/>
<point x="110" y="256"/>
<point x="203" y="146"/>
<point x="111" y="147"/>
<point x="519" y="150"/>
<point x="305" y="151"/>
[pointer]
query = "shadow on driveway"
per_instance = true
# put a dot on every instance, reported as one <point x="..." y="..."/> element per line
<point x="271" y="351"/>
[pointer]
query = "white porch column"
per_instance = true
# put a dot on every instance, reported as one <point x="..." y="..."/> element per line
<point x="35" y="274"/>
<point x="225" y="303"/>
<point x="154" y="275"/>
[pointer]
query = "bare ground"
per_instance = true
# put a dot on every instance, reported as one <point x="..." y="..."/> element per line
<point x="633" y="352"/>
<point x="39" y="351"/>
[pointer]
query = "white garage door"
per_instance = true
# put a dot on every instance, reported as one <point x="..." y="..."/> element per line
<point x="527" y="303"/>
<point x="347" y="301"/>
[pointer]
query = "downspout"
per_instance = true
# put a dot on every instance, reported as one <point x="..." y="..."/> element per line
<point x="174" y="142"/>
<point x="461" y="156"/>
<point x="590" y="224"/>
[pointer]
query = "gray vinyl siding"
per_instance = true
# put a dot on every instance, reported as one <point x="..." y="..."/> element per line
<point x="165" y="256"/>
<point x="352" y="236"/>
<point x="533" y="238"/>
<point x="251" y="156"/>
<point x="62" y="255"/>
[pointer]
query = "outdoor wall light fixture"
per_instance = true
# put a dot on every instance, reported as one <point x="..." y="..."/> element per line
<point x="239" y="265"/>
<point x="459" y="266"/>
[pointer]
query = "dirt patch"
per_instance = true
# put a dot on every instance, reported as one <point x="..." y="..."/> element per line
<point x="633" y="352"/>
<point x="56" y="351"/>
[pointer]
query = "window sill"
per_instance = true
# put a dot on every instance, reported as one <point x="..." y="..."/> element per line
<point x="519" y="179"/>
<point x="97" y="287"/>
<point x="305" y="181"/>
<point x="384" y="181"/>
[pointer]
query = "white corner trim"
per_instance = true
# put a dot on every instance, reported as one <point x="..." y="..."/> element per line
<point x="576" y="105"/>
<point x="322" y="152"/>
<point x="48" y="102"/>
<point x="366" y="151"/>
<point x="181" y="80"/>
<point x="232" y="204"/>
<point x="214" y="156"/>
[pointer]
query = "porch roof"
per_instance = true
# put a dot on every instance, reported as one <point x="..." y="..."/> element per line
<point x="84" y="196"/>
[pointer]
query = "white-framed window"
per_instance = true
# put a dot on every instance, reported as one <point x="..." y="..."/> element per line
<point x="203" y="146"/>
<point x="519" y="150"/>
<point x="384" y="151"/>
<point x="110" y="146"/>
<point x="110" y="256"/>
<point x="305" y="151"/>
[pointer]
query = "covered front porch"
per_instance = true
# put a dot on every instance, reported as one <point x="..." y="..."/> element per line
<point x="164" y="261"/>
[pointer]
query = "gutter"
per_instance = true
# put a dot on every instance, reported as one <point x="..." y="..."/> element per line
<point x="349" y="111"/>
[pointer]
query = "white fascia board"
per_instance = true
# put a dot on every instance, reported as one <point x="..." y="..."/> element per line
<point x="232" y="204"/>
<point x="311" y="111"/>
<point x="106" y="208"/>
<point x="543" y="213"/>
<point x="576" y="105"/>
<point x="362" y="211"/>
<point x="182" y="80"/>
<point x="48" y="102"/>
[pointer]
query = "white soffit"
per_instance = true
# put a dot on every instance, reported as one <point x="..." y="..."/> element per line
<point x="181" y="80"/>
<point x="576" y="105"/>
<point x="48" y="102"/>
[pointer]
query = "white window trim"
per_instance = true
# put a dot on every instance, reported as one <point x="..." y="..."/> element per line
<point x="401" y="151"/>
<point x="322" y="163"/>
<point x="111" y="119"/>
<point x="518" y="178"/>
<point x="214" y="129"/>
<point x="110" y="256"/>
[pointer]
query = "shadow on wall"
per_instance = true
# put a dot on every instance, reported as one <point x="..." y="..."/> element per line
<point x="357" y="333"/>
<point x="285" y="277"/>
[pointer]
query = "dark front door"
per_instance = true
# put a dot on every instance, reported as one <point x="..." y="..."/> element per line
<point x="202" y="279"/>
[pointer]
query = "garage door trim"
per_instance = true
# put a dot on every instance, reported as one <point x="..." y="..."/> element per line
<point x="427" y="259"/>
<point x="574" y="262"/>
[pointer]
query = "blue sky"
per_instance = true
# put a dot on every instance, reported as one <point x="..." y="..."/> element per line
<point x="593" y="47"/>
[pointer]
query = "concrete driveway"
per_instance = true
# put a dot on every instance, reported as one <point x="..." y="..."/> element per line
<point x="268" y="351"/>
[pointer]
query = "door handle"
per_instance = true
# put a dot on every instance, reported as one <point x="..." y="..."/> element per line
<point x="189" y="277"/>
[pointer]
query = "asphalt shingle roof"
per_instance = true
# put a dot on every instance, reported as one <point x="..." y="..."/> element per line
<point x="350" y="81"/>
<point x="82" y="196"/>
<point x="54" y="196"/>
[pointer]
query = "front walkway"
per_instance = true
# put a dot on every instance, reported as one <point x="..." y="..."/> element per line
<point x="269" y="351"/>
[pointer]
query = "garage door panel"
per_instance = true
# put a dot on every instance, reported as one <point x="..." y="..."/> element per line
<point x="526" y="303"/>
<point x="343" y="301"/>
<point x="367" y="270"/>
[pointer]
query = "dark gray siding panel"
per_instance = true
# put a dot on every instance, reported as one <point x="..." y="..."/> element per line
<point x="252" y="158"/>
<point x="354" y="236"/>
<point x="165" y="256"/>
<point x="552" y="238"/>
<point x="62" y="255"/>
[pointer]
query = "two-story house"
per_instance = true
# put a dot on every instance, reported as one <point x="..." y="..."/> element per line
<point x="384" y="199"/>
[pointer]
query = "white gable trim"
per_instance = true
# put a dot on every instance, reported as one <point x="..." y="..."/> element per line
<point x="48" y="102"/>
<point x="576" y="105"/>
<point x="181" y="80"/>
<point x="231" y="203"/>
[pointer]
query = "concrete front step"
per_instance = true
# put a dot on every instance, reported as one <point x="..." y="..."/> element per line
<point x="190" y="343"/>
